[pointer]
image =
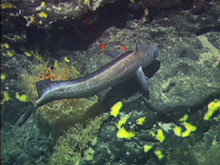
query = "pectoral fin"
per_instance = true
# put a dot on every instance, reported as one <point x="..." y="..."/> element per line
<point x="143" y="80"/>
<point x="113" y="53"/>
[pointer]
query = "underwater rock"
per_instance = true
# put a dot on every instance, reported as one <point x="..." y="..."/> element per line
<point x="185" y="83"/>
<point x="45" y="13"/>
<point x="189" y="75"/>
<point x="61" y="115"/>
<point x="128" y="147"/>
<point x="26" y="144"/>
<point x="155" y="129"/>
<point x="76" y="145"/>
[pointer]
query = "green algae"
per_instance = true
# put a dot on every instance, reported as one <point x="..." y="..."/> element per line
<point x="75" y="146"/>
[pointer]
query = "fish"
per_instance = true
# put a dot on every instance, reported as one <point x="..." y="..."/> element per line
<point x="121" y="68"/>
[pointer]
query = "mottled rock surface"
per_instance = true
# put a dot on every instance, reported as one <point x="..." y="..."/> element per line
<point x="184" y="80"/>
<point x="189" y="73"/>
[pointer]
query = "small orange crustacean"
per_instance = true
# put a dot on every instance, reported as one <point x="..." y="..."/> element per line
<point x="48" y="74"/>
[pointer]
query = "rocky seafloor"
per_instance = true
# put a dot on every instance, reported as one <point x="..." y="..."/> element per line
<point x="176" y="123"/>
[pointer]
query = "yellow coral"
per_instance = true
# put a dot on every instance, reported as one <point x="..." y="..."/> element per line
<point x="123" y="133"/>
<point x="160" y="135"/>
<point x="116" y="108"/>
<point x="22" y="97"/>
<point x="43" y="15"/>
<point x="4" y="77"/>
<point x="133" y="1"/>
<point x="184" y="118"/>
<point x="67" y="59"/>
<point x="88" y="2"/>
<point x="7" y="46"/>
<point x="178" y="131"/>
<point x="122" y="121"/>
<point x="31" y="20"/>
<point x="213" y="108"/>
<point x="7" y="6"/>
<point x="141" y="121"/>
<point x="159" y="153"/>
<point x="147" y="148"/>
<point x="189" y="129"/>
<point x="42" y="6"/>
<point x="7" y="97"/>
<point x="28" y="53"/>
<point x="11" y="53"/>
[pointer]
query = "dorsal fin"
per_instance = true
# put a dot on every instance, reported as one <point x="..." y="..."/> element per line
<point x="113" y="53"/>
<point x="42" y="86"/>
<point x="119" y="55"/>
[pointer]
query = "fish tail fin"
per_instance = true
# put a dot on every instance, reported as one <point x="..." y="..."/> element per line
<point x="42" y="86"/>
<point x="25" y="117"/>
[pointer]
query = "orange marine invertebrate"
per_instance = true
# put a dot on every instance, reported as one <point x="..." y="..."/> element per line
<point x="49" y="74"/>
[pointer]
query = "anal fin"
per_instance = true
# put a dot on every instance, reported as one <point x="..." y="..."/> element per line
<point x="25" y="116"/>
<point x="113" y="53"/>
<point x="42" y="86"/>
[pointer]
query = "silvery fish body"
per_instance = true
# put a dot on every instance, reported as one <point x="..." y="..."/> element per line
<point x="118" y="70"/>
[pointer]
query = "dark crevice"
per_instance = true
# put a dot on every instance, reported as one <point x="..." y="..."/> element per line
<point x="207" y="29"/>
<point x="79" y="33"/>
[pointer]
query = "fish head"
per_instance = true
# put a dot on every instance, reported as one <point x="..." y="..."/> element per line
<point x="149" y="53"/>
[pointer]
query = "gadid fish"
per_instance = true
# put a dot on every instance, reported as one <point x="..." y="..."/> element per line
<point x="121" y="68"/>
